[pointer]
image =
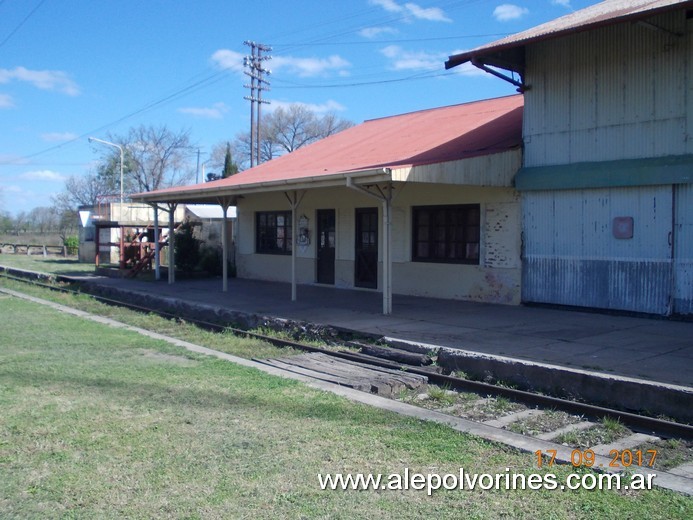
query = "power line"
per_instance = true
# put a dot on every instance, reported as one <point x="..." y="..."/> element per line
<point x="415" y="77"/>
<point x="26" y="18"/>
<point x="355" y="29"/>
<point x="213" y="78"/>
<point x="403" y="40"/>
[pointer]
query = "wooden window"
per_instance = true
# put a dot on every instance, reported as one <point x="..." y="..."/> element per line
<point x="448" y="234"/>
<point x="273" y="232"/>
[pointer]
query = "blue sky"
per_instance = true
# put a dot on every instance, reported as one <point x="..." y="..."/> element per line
<point x="70" y="69"/>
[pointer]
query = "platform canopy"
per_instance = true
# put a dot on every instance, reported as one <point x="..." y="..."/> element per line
<point x="372" y="151"/>
<point x="476" y="143"/>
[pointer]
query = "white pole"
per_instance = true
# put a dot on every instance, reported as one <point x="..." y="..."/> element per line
<point x="387" y="260"/>
<point x="293" y="249"/>
<point x="157" y="246"/>
<point x="224" y="248"/>
<point x="171" y="244"/>
<point x="122" y="160"/>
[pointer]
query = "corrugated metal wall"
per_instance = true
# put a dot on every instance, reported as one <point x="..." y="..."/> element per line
<point x="614" y="93"/>
<point x="571" y="256"/>
<point x="683" y="250"/>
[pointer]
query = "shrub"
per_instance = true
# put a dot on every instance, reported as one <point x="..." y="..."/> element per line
<point x="72" y="245"/>
<point x="187" y="248"/>
<point x="212" y="263"/>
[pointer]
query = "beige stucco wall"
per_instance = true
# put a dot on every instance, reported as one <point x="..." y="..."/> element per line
<point x="495" y="279"/>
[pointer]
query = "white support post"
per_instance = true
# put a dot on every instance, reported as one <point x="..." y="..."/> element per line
<point x="157" y="245"/>
<point x="387" y="252"/>
<point x="294" y="201"/>
<point x="385" y="197"/>
<point x="224" y="245"/>
<point x="171" y="243"/>
<point x="293" y="251"/>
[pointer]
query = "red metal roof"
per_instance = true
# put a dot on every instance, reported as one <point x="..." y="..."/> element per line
<point x="418" y="138"/>
<point x="609" y="12"/>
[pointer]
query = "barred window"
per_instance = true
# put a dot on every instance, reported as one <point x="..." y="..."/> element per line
<point x="273" y="232"/>
<point x="446" y="234"/>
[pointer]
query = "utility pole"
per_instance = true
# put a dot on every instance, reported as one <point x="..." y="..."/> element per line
<point x="197" y="172"/>
<point x="258" y="83"/>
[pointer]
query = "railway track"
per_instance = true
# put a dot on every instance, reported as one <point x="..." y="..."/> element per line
<point x="595" y="433"/>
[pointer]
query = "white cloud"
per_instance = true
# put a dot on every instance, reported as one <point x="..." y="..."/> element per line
<point x="308" y="67"/>
<point x="324" y="108"/>
<point x="43" y="175"/>
<point x="304" y="67"/>
<point x="467" y="69"/>
<point x="432" y="14"/>
<point x="216" y="111"/>
<point x="227" y="59"/>
<point x="562" y="3"/>
<point x="410" y="9"/>
<point x="507" y="12"/>
<point x="413" y="60"/>
<point x="6" y="101"/>
<point x="43" y="79"/>
<point x="57" y="137"/>
<point x="372" y="32"/>
<point x="388" y="5"/>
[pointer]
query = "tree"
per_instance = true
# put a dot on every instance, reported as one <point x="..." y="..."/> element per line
<point x="6" y="222"/>
<point x="287" y="129"/>
<point x="43" y="219"/>
<point x="187" y="247"/>
<point x="230" y="167"/>
<point x="81" y="191"/>
<point x="154" y="158"/>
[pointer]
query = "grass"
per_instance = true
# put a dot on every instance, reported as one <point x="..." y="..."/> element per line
<point x="670" y="452"/>
<point x="49" y="264"/>
<point x="550" y="420"/>
<point x="101" y="422"/>
<point x="224" y="342"/>
<point x="607" y="432"/>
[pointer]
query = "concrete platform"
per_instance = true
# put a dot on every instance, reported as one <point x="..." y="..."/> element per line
<point x="631" y="363"/>
<point x="655" y="350"/>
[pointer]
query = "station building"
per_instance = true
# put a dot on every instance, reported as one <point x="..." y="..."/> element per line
<point x="578" y="191"/>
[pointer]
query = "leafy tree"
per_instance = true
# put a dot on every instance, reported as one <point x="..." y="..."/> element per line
<point x="6" y="222"/>
<point x="230" y="167"/>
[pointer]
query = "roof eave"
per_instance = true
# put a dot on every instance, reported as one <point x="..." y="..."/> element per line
<point x="212" y="196"/>
<point x="510" y="56"/>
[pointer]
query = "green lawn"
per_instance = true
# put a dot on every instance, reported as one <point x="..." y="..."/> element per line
<point x="98" y="422"/>
<point x="49" y="264"/>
